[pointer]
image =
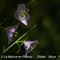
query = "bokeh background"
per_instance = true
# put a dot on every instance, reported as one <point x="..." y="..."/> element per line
<point x="43" y="13"/>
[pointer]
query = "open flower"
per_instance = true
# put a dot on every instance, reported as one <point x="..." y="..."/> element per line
<point x="29" y="46"/>
<point x="21" y="14"/>
<point x="10" y="32"/>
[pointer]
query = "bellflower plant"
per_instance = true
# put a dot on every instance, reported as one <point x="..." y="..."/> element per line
<point x="22" y="15"/>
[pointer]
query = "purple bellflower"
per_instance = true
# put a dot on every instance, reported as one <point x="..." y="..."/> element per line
<point x="21" y="14"/>
<point x="10" y="32"/>
<point x="29" y="46"/>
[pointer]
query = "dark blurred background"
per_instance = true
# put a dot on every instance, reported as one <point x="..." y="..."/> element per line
<point x="45" y="14"/>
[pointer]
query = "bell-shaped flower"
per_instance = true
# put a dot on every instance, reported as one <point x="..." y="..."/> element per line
<point x="21" y="14"/>
<point x="10" y="32"/>
<point x="29" y="46"/>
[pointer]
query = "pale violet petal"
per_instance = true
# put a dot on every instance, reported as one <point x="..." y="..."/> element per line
<point x="12" y="30"/>
<point x="27" y="45"/>
<point x="21" y="7"/>
<point x="27" y="16"/>
<point x="24" y="21"/>
<point x="16" y="15"/>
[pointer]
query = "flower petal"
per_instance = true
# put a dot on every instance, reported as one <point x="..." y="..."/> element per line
<point x="21" y="14"/>
<point x="21" y="7"/>
<point x="29" y="44"/>
<point x="10" y="31"/>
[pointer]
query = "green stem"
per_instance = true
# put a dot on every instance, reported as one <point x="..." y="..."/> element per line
<point x="20" y="44"/>
<point x="19" y="39"/>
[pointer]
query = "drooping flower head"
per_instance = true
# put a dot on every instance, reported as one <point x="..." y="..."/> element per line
<point x="21" y="14"/>
<point x="10" y="32"/>
<point x="29" y="45"/>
